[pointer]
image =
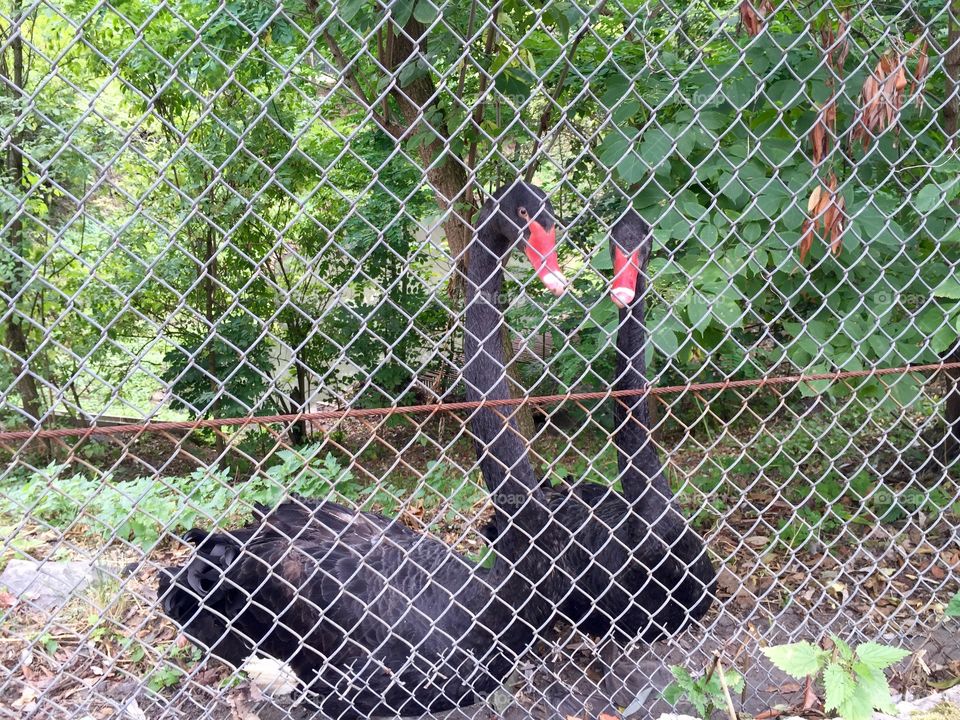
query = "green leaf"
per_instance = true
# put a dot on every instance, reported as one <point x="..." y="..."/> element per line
<point x="626" y="111"/>
<point x="728" y="313"/>
<point x="631" y="168"/>
<point x="929" y="197"/>
<point x="665" y="340"/>
<point x="425" y="11"/>
<point x="796" y="659"/>
<point x="698" y="310"/>
<point x="349" y="9"/>
<point x="873" y="685"/>
<point x="615" y="145"/>
<point x="708" y="234"/>
<point x="949" y="288"/>
<point x="953" y="607"/>
<point x="655" y="147"/>
<point x="858" y="706"/>
<point x="839" y="686"/>
<point x="602" y="261"/>
<point x="735" y="680"/>
<point x="878" y="657"/>
<point x="844" y="650"/>
<point x="673" y="693"/>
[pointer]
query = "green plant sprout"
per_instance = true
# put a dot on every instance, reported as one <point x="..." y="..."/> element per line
<point x="853" y="680"/>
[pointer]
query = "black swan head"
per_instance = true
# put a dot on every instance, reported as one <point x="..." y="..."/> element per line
<point x="523" y="210"/>
<point x="630" y="242"/>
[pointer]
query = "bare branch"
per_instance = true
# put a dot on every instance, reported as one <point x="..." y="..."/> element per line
<point x="351" y="78"/>
<point x="555" y="96"/>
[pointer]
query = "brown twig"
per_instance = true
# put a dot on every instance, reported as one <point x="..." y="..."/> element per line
<point x="555" y="96"/>
<point x="731" y="711"/>
<point x="351" y="79"/>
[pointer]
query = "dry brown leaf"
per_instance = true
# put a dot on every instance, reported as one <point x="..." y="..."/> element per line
<point x="839" y="223"/>
<point x="920" y="75"/>
<point x="823" y="130"/>
<point x="806" y="239"/>
<point x="810" y="698"/>
<point x="843" y="39"/>
<point x="814" y="200"/>
<point x="7" y="600"/>
<point x="818" y="141"/>
<point x="880" y="98"/>
<point x="749" y="18"/>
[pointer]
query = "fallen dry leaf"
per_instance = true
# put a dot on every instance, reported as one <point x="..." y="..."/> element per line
<point x="810" y="698"/>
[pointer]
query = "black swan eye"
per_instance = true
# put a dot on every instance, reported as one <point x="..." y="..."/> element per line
<point x="522" y="212"/>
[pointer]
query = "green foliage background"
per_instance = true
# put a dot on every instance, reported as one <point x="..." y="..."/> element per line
<point x="210" y="207"/>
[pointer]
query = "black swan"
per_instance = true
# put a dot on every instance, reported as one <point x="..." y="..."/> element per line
<point x="640" y="570"/>
<point x="374" y="618"/>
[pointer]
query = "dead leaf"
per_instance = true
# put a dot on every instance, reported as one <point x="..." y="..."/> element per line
<point x="728" y="583"/>
<point x="810" y="698"/>
<point x="27" y="696"/>
<point x="920" y="75"/>
<point x="806" y="239"/>
<point x="843" y="39"/>
<point x="7" y="600"/>
<point x="944" y="684"/>
<point x="770" y="714"/>
<point x="818" y="141"/>
<point x="749" y="18"/>
<point x="814" y="200"/>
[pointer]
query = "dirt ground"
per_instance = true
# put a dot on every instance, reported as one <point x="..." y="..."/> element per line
<point x="92" y="659"/>
<point x="109" y="653"/>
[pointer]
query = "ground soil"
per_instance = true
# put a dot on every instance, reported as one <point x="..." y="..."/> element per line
<point x="93" y="658"/>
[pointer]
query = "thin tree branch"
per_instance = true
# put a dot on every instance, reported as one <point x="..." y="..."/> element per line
<point x="344" y="64"/>
<point x="555" y="96"/>
<point x="463" y="65"/>
<point x="481" y="103"/>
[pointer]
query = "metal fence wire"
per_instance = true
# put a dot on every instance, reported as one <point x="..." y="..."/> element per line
<point x="473" y="359"/>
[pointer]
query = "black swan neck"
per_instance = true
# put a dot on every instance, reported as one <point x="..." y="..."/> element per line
<point x="500" y="446"/>
<point x="637" y="459"/>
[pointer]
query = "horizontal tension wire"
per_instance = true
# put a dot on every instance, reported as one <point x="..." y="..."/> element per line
<point x="162" y="426"/>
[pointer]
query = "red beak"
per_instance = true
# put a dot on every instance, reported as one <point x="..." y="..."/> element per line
<point x="541" y="250"/>
<point x="626" y="269"/>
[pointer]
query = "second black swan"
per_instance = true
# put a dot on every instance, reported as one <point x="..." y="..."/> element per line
<point x="640" y="570"/>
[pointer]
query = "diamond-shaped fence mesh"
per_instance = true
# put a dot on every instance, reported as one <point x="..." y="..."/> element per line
<point x="508" y="359"/>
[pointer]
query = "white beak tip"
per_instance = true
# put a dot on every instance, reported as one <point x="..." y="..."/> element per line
<point x="555" y="282"/>
<point x="622" y="296"/>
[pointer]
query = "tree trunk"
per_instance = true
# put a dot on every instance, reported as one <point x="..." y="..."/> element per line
<point x="447" y="174"/>
<point x="16" y="338"/>
<point x="210" y="290"/>
<point x="951" y="114"/>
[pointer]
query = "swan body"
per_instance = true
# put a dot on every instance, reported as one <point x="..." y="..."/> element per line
<point x="374" y="618"/>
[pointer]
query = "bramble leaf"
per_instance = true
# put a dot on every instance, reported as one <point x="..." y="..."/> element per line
<point x="878" y="656"/>
<point x="797" y="659"/>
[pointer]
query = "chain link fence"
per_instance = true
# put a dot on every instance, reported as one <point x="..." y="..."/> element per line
<point x="226" y="223"/>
